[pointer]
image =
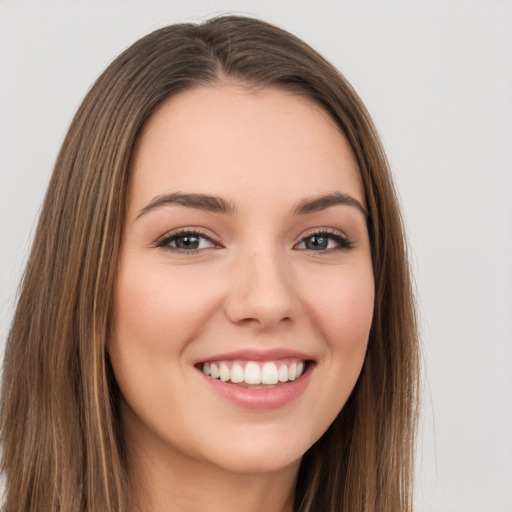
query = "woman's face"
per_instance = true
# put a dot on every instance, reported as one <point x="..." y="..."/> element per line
<point x="245" y="289"/>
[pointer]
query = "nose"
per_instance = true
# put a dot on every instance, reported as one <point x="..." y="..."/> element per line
<point x="262" y="291"/>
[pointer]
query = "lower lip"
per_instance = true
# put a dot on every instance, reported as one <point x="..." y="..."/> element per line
<point x="264" y="398"/>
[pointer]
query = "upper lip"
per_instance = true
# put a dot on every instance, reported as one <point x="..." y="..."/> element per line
<point x="257" y="355"/>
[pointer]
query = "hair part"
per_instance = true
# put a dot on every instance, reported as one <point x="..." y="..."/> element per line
<point x="62" y="447"/>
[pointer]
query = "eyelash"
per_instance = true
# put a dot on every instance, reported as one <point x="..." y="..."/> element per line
<point x="168" y="238"/>
<point x="344" y="243"/>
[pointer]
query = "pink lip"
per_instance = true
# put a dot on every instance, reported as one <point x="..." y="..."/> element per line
<point x="257" y="355"/>
<point x="259" y="399"/>
<point x="263" y="398"/>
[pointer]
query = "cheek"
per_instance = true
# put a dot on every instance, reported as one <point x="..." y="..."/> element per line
<point x="342" y="308"/>
<point x="157" y="314"/>
<point x="340" y="305"/>
<point x="160" y="310"/>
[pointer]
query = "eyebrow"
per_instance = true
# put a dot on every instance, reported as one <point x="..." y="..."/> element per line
<point x="217" y="204"/>
<point x="323" y="202"/>
<point x="199" y="201"/>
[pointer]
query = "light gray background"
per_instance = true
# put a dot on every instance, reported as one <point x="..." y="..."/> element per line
<point x="437" y="78"/>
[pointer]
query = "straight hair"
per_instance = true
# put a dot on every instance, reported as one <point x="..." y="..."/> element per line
<point x="60" y="428"/>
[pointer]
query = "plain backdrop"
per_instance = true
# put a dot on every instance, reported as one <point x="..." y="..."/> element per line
<point x="437" y="79"/>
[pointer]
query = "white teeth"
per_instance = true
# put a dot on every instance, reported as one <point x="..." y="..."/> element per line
<point x="252" y="373"/>
<point x="237" y="373"/>
<point x="225" y="374"/>
<point x="269" y="374"/>
<point x="283" y="373"/>
<point x="214" y="371"/>
<point x="292" y="372"/>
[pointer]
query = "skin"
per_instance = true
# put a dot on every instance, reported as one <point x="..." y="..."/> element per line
<point x="256" y="286"/>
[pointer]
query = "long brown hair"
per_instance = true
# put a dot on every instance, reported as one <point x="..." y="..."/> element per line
<point x="62" y="450"/>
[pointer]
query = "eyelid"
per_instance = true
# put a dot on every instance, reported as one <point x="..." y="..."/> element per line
<point x="163" y="240"/>
<point x="343" y="240"/>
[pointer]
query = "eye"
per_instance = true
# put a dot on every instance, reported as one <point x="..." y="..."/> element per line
<point x="187" y="241"/>
<point x="325" y="241"/>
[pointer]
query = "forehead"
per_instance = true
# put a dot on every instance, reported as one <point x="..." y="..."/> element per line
<point x="233" y="141"/>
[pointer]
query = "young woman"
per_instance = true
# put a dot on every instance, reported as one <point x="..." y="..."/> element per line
<point x="217" y="311"/>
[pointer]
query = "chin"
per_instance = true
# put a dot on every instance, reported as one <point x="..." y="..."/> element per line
<point x="263" y="452"/>
<point x="254" y="464"/>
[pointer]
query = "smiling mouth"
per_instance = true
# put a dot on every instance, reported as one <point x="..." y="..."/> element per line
<point x="255" y="373"/>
